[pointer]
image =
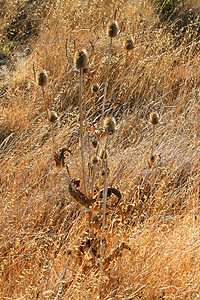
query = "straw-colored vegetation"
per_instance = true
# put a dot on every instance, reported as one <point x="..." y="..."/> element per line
<point x="138" y="238"/>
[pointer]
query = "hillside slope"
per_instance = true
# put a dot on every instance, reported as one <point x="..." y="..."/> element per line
<point x="152" y="248"/>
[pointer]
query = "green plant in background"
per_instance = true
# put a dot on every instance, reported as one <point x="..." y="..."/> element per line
<point x="165" y="7"/>
<point x="7" y="48"/>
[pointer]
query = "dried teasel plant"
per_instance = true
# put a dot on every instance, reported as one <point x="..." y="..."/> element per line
<point x="92" y="193"/>
<point x="112" y="31"/>
<point x="128" y="46"/>
<point x="109" y="126"/>
<point x="42" y="81"/>
<point x="154" y="119"/>
<point x="81" y="61"/>
<point x="53" y="116"/>
<point x="95" y="88"/>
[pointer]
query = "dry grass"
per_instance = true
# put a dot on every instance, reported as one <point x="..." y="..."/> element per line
<point x="159" y="213"/>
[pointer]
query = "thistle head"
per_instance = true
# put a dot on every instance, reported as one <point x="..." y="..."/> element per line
<point x="109" y="124"/>
<point x="53" y="116"/>
<point x="154" y="118"/>
<point x="104" y="171"/>
<point x="94" y="160"/>
<point x="128" y="44"/>
<point x="94" y="142"/>
<point x="112" y="29"/>
<point x="81" y="59"/>
<point x="95" y="88"/>
<point x="42" y="78"/>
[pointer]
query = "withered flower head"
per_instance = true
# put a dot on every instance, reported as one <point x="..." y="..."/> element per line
<point x="42" y="78"/>
<point x="109" y="124"/>
<point x="53" y="116"/>
<point x="128" y="44"/>
<point x="112" y="29"/>
<point x="94" y="160"/>
<point x="60" y="157"/>
<point x="95" y="88"/>
<point x="94" y="143"/>
<point x="154" y="118"/>
<point x="103" y="172"/>
<point x="81" y="59"/>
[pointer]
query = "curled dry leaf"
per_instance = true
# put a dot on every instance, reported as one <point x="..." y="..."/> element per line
<point x="80" y="197"/>
<point x="84" y="201"/>
<point x="59" y="157"/>
<point x="116" y="253"/>
<point x="111" y="191"/>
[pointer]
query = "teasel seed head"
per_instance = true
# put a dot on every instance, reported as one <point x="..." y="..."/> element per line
<point x="128" y="44"/>
<point x="109" y="124"/>
<point x="53" y="116"/>
<point x="112" y="29"/>
<point x="154" y="118"/>
<point x="95" y="88"/>
<point x="152" y="158"/>
<point x="81" y="59"/>
<point x="94" y="143"/>
<point x="94" y="160"/>
<point x="103" y="172"/>
<point x="42" y="78"/>
<point x="103" y="154"/>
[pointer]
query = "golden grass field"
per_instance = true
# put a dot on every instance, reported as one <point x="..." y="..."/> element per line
<point x="44" y="252"/>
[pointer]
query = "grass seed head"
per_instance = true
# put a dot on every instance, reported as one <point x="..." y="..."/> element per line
<point x="42" y="78"/>
<point x="128" y="44"/>
<point x="112" y="29"/>
<point x="154" y="118"/>
<point x="53" y="116"/>
<point x="109" y="124"/>
<point x="81" y="59"/>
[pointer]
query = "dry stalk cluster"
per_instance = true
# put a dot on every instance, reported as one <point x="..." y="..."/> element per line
<point x="95" y="188"/>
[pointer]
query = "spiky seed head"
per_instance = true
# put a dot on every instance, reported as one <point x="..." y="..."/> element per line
<point x="53" y="116"/>
<point x="103" y="154"/>
<point x="94" y="143"/>
<point x="128" y="44"/>
<point x="95" y="88"/>
<point x="112" y="29"/>
<point x="109" y="124"/>
<point x="152" y="158"/>
<point x="154" y="118"/>
<point x="103" y="172"/>
<point x="42" y="78"/>
<point x="94" y="160"/>
<point x="81" y="59"/>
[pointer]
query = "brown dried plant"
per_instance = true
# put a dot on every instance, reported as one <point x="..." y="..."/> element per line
<point x="151" y="234"/>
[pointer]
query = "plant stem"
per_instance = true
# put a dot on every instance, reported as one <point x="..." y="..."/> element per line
<point x="106" y="84"/>
<point x="104" y="207"/>
<point x="81" y="134"/>
<point x="152" y="146"/>
<point x="55" y="148"/>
